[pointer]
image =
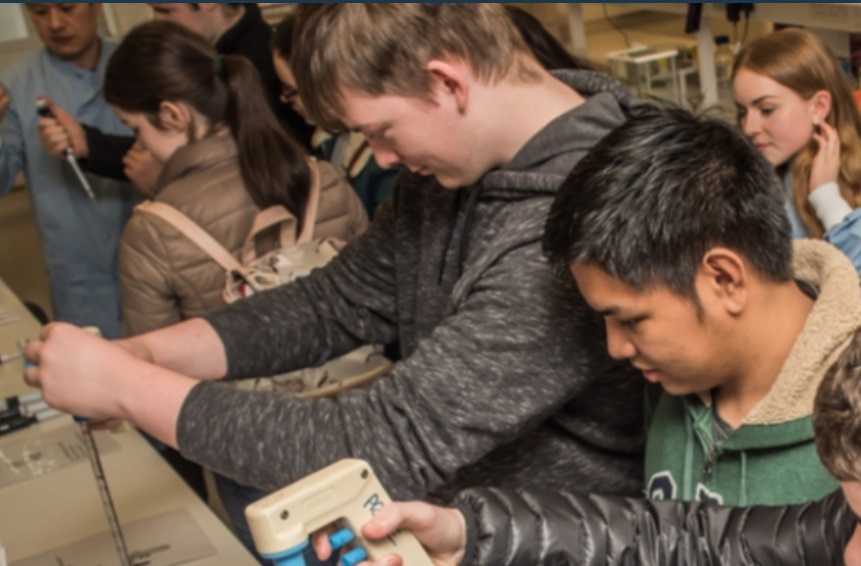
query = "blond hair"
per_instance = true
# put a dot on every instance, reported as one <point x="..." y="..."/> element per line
<point x="800" y="60"/>
<point x="380" y="49"/>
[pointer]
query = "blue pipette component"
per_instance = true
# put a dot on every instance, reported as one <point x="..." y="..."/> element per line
<point x="341" y="538"/>
<point x="354" y="556"/>
<point x="291" y="557"/>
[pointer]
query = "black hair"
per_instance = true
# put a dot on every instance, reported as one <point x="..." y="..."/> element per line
<point x="658" y="192"/>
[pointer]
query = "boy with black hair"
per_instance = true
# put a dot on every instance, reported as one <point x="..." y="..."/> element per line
<point x="674" y="230"/>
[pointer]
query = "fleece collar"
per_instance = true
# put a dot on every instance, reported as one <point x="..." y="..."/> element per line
<point x="832" y="321"/>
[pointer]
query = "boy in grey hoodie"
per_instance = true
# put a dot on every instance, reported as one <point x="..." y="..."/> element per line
<point x="504" y="378"/>
<point x="684" y="246"/>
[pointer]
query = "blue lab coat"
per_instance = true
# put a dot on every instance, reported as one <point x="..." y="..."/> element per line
<point x="79" y="236"/>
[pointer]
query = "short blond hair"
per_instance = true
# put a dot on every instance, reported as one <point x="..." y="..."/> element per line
<point x="380" y="49"/>
<point x="837" y="415"/>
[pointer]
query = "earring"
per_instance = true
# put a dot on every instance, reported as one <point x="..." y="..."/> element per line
<point x="816" y="121"/>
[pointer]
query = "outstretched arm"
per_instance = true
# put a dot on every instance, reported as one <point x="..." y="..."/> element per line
<point x="493" y="526"/>
<point x="593" y="530"/>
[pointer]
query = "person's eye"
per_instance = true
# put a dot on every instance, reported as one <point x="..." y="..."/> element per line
<point x="766" y="111"/>
<point x="377" y="134"/>
<point x="631" y="323"/>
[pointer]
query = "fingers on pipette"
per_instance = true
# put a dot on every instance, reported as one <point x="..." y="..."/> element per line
<point x="390" y="560"/>
<point x="321" y="544"/>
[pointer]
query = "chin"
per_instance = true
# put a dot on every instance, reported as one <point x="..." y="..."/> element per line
<point x="676" y="389"/>
<point x="446" y="182"/>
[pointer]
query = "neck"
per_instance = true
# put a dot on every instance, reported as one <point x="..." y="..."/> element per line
<point x="520" y="99"/>
<point x="773" y="326"/>
<point x="89" y="58"/>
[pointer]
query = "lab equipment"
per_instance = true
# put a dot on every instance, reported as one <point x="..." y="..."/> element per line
<point x="724" y="59"/>
<point x="23" y="410"/>
<point x="9" y="357"/>
<point x="43" y="110"/>
<point x="104" y="492"/>
<point x="23" y="421"/>
<point x="102" y="482"/>
<point x="648" y="71"/>
<point x="98" y="472"/>
<point x="24" y="399"/>
<point x="347" y="494"/>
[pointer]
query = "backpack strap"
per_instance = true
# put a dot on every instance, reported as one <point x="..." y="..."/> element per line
<point x="279" y="215"/>
<point x="192" y="231"/>
<point x="313" y="204"/>
<point x="265" y="219"/>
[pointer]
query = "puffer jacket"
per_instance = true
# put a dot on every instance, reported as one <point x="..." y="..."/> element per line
<point x="164" y="277"/>
<point x="526" y="528"/>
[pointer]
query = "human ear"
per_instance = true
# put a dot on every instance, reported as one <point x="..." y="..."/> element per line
<point x="174" y="116"/>
<point x="724" y="276"/>
<point x="452" y="79"/>
<point x="821" y="105"/>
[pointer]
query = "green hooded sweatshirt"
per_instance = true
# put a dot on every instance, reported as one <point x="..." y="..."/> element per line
<point x="770" y="459"/>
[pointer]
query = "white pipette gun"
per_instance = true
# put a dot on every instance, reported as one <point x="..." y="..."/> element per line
<point x="346" y="492"/>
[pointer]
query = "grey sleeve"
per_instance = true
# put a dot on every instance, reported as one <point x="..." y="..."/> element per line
<point x="549" y="527"/>
<point x="337" y="308"/>
<point x="499" y="366"/>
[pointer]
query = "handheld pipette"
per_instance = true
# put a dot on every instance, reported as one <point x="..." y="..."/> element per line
<point x="102" y="483"/>
<point x="99" y="473"/>
<point x="45" y="112"/>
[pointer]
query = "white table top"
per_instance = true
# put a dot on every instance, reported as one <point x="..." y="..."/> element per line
<point x="63" y="506"/>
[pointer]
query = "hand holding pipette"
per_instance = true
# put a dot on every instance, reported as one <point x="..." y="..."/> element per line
<point x="57" y="140"/>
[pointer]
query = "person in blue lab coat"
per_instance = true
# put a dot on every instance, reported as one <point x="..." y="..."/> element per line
<point x="79" y="236"/>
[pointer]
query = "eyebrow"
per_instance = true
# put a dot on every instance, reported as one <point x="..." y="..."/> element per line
<point x="762" y="98"/>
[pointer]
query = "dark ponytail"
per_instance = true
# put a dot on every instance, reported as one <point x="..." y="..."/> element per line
<point x="160" y="61"/>
<point x="271" y="162"/>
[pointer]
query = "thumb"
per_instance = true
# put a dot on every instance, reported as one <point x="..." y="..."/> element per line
<point x="50" y="105"/>
<point x="384" y="523"/>
<point x="62" y="116"/>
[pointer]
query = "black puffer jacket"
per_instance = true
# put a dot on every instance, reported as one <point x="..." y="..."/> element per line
<point x="525" y="528"/>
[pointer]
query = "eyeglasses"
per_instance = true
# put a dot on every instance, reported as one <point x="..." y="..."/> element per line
<point x="288" y="93"/>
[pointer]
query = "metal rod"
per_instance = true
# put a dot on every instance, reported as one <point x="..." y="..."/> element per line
<point x="107" y="501"/>
<point x="70" y="157"/>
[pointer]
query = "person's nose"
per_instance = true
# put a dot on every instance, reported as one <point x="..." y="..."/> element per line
<point x="384" y="156"/>
<point x="618" y="345"/>
<point x="56" y="21"/>
<point x="751" y="124"/>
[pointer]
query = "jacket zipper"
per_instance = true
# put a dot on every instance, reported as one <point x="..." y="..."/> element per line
<point x="709" y="465"/>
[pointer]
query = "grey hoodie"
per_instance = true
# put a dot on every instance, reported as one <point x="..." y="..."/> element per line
<point x="505" y="378"/>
